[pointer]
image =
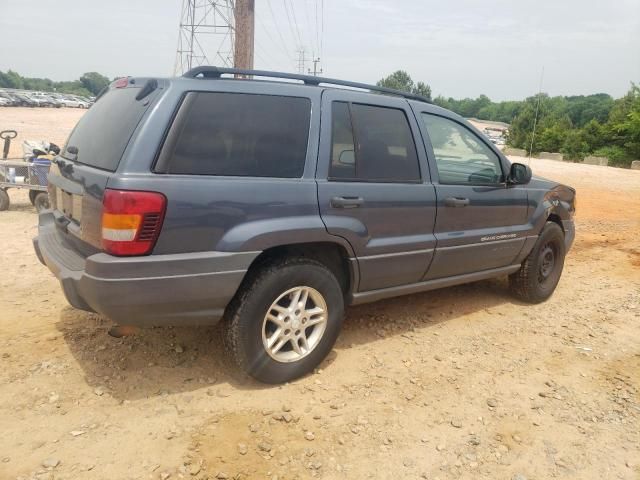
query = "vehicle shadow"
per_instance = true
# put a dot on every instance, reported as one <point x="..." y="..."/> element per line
<point x="166" y="360"/>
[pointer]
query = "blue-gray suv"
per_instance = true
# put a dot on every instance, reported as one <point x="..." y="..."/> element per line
<point x="270" y="201"/>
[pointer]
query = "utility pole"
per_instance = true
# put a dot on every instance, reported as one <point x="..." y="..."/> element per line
<point x="244" y="29"/>
<point x="315" y="71"/>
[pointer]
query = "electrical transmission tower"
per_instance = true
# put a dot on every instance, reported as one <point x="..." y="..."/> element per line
<point x="207" y="34"/>
<point x="302" y="60"/>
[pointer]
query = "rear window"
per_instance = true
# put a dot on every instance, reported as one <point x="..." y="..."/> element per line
<point x="102" y="134"/>
<point x="241" y="135"/>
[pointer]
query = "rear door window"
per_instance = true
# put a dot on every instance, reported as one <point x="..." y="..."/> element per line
<point x="103" y="132"/>
<point x="241" y="135"/>
<point x="372" y="143"/>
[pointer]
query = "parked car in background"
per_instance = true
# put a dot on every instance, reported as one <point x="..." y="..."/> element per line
<point x="12" y="100"/>
<point x="84" y="101"/>
<point x="26" y="98"/>
<point x="74" y="102"/>
<point x="70" y="102"/>
<point x="45" y="100"/>
<point x="26" y="101"/>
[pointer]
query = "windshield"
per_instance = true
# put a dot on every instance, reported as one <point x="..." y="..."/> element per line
<point x="102" y="134"/>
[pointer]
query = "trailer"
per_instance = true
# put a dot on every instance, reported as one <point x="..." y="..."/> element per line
<point x="22" y="175"/>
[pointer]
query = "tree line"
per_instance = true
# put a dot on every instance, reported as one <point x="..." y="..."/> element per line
<point x="576" y="126"/>
<point x="87" y="85"/>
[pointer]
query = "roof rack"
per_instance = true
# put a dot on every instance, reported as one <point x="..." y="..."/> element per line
<point x="212" y="72"/>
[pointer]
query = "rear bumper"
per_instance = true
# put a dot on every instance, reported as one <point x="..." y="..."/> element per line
<point x="176" y="289"/>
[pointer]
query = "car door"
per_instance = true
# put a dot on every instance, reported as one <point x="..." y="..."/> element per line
<point x="374" y="187"/>
<point x="482" y="221"/>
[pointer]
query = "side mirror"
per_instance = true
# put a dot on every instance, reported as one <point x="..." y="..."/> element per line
<point x="520" y="174"/>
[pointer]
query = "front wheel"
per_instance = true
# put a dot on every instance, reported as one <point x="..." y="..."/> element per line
<point x="540" y="272"/>
<point x="285" y="320"/>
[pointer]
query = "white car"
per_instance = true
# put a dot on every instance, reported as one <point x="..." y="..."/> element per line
<point x="73" y="103"/>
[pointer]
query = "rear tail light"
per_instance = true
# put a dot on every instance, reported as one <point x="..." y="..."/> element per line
<point x="131" y="221"/>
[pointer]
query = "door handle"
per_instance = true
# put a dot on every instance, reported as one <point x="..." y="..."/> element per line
<point x="347" y="202"/>
<point x="456" y="202"/>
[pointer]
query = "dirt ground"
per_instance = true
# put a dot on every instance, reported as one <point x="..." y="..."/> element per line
<point x="49" y="124"/>
<point x="459" y="383"/>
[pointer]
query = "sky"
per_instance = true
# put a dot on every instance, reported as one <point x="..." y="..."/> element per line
<point x="461" y="48"/>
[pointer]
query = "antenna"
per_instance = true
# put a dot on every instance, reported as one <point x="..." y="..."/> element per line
<point x="535" y="119"/>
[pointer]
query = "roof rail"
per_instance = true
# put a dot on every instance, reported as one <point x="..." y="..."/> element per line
<point x="212" y="72"/>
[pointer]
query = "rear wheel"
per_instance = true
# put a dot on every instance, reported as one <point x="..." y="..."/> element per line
<point x="4" y="200"/>
<point x="540" y="272"/>
<point x="41" y="201"/>
<point x="285" y="320"/>
<point x="32" y="196"/>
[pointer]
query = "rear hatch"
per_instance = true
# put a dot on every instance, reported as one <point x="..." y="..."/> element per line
<point x="80" y="174"/>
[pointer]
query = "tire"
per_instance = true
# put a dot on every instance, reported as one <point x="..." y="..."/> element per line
<point x="4" y="200"/>
<point x="41" y="202"/>
<point x="248" y="330"/>
<point x="32" y="196"/>
<point x="540" y="272"/>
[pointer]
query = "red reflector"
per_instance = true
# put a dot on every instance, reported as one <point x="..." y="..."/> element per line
<point x="131" y="221"/>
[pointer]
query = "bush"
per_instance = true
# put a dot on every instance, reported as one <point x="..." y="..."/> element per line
<point x="616" y="155"/>
<point x="574" y="147"/>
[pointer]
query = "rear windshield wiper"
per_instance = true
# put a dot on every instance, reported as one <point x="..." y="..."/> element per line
<point x="70" y="150"/>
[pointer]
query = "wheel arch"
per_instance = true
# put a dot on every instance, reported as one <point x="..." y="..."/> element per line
<point x="333" y="255"/>
<point x="555" y="218"/>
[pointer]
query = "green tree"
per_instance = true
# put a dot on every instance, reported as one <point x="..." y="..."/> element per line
<point x="574" y="147"/>
<point x="94" y="82"/>
<point x="11" y="79"/>
<point x="551" y="139"/>
<point x="400" y="80"/>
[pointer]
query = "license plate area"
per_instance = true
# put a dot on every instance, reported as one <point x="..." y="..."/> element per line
<point x="70" y="205"/>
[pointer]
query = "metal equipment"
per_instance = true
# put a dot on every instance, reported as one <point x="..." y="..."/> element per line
<point x="21" y="174"/>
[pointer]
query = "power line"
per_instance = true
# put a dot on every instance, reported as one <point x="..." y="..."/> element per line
<point x="293" y="33"/>
<point x="262" y="59"/>
<point x="284" y="48"/>
<point x="314" y="47"/>
<point x="322" y="29"/>
<point x="317" y="28"/>
<point x="295" y="21"/>
<point x="275" y="22"/>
